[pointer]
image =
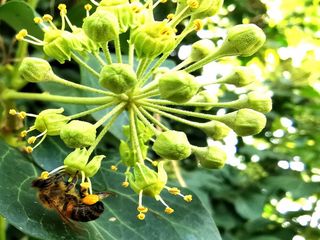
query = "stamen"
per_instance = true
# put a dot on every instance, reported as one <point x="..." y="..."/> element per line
<point x="187" y="198"/>
<point x="28" y="149"/>
<point x="90" y="185"/>
<point x="44" y="175"/>
<point x="170" y="16"/>
<point x="141" y="216"/>
<point x="140" y="197"/>
<point x="174" y="191"/>
<point x="125" y="184"/>
<point x="194" y="4"/>
<point x="44" y="134"/>
<point x="38" y="20"/>
<point x="113" y="168"/>
<point x="21" y="34"/>
<point x="87" y="7"/>
<point x="58" y="169"/>
<point x="63" y="13"/>
<point x="198" y="24"/>
<point x="94" y="3"/>
<point x="25" y="132"/>
<point x="31" y="140"/>
<point x="169" y="210"/>
<point x="163" y="202"/>
<point x="48" y="18"/>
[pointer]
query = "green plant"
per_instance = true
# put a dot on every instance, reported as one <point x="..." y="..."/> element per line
<point x="143" y="92"/>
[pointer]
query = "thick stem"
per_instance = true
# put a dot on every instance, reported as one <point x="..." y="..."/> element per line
<point x="173" y="117"/>
<point x="3" y="227"/>
<point x="153" y="119"/>
<point x="85" y="65"/>
<point x="93" y="110"/>
<point x="145" y="120"/>
<point x="178" y="174"/>
<point x="182" y="112"/>
<point x="143" y="65"/>
<point x="116" y="109"/>
<point x="67" y="83"/>
<point x="10" y="94"/>
<point x="105" y="49"/>
<point x="148" y="94"/>
<point x="98" y="57"/>
<point x="104" y="131"/>
<point x="118" y="49"/>
<point x="134" y="135"/>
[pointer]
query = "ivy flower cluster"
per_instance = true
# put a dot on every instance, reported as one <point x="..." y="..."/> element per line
<point x="142" y="88"/>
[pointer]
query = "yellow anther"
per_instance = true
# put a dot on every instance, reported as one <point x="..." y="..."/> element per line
<point x="62" y="7"/>
<point x="141" y="216"/>
<point x="85" y="185"/>
<point x="125" y="184"/>
<point x="87" y="7"/>
<point x="142" y="209"/>
<point x="169" y="210"/>
<point x="198" y="24"/>
<point x="21" y="34"/>
<point x="23" y="133"/>
<point x="31" y="140"/>
<point x="193" y="4"/>
<point x="90" y="199"/>
<point x="136" y="7"/>
<point x="187" y="198"/>
<point x="47" y="17"/>
<point x="113" y="168"/>
<point x="163" y="1"/>
<point x="38" y="20"/>
<point x="174" y="191"/>
<point x="22" y="115"/>
<point x="12" y="112"/>
<point x="155" y="163"/>
<point x="44" y="175"/>
<point x="170" y="16"/>
<point x="28" y="149"/>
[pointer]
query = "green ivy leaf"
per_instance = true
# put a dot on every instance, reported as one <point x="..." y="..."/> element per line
<point x="18" y="203"/>
<point x="19" y="15"/>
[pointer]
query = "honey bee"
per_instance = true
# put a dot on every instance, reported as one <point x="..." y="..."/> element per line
<point x="62" y="196"/>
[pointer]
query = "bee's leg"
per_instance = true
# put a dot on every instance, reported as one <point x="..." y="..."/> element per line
<point x="72" y="183"/>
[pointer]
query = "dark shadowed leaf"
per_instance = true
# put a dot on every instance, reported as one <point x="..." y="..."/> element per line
<point x="19" y="15"/>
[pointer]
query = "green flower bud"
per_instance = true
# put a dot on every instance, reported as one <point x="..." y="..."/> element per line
<point x="102" y="26"/>
<point x="201" y="49"/>
<point x="172" y="145"/>
<point x="259" y="101"/>
<point x="214" y="129"/>
<point x="51" y="120"/>
<point x="93" y="166"/>
<point x="78" y="134"/>
<point x="178" y="86"/>
<point x="80" y="42"/>
<point x="210" y="157"/>
<point x="153" y="38"/>
<point x="240" y="77"/>
<point x="57" y="45"/>
<point x="211" y="11"/>
<point x="118" y="77"/>
<point x="122" y="10"/>
<point x="76" y="160"/>
<point x="198" y="7"/>
<point x="242" y="40"/>
<point x="146" y="179"/>
<point x="35" y="69"/>
<point x="205" y="97"/>
<point x="245" y="121"/>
